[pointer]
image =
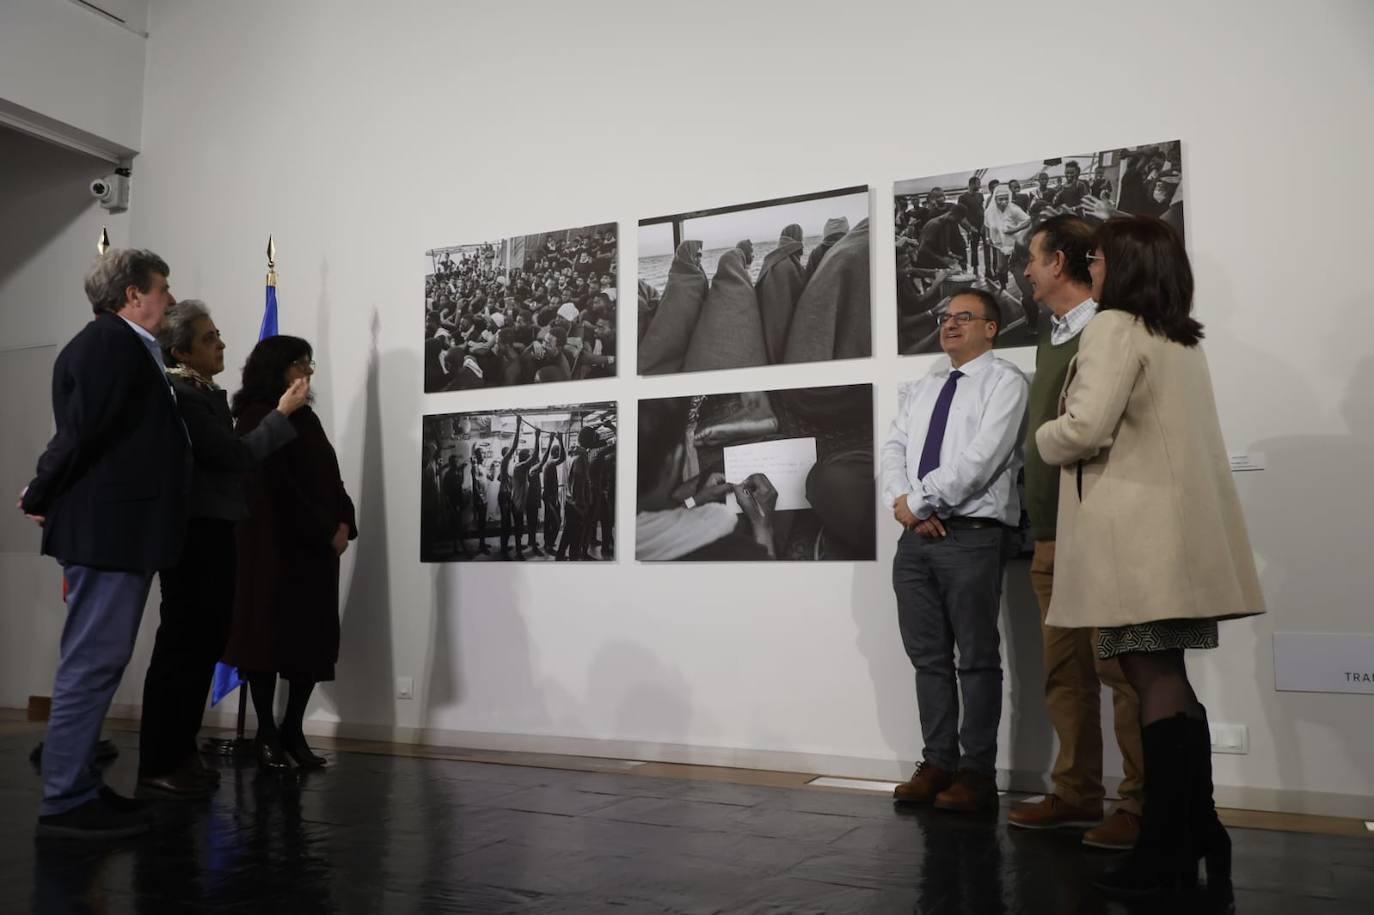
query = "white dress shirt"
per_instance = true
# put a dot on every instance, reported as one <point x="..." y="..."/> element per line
<point x="149" y="343"/>
<point x="981" y="451"/>
<point x="1064" y="329"/>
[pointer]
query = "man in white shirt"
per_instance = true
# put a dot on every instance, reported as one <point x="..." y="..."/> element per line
<point x="949" y="473"/>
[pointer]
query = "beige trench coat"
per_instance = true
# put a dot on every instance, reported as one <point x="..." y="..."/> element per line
<point x="1150" y="526"/>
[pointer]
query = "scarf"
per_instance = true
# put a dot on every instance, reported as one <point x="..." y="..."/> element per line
<point x="190" y="374"/>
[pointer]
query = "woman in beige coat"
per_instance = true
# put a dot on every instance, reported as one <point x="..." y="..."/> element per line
<point x="1152" y="545"/>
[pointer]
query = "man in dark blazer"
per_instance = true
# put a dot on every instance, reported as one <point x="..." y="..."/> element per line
<point x="111" y="494"/>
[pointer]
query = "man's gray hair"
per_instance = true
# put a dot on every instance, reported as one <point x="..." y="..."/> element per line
<point x="118" y="269"/>
<point x="178" y="331"/>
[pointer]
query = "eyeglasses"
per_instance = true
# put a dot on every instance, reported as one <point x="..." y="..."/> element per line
<point x="959" y="317"/>
<point x="1096" y="257"/>
<point x="304" y="363"/>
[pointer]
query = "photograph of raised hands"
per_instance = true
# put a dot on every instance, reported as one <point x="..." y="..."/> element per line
<point x="971" y="230"/>
<point x="519" y="485"/>
<point x="759" y="475"/>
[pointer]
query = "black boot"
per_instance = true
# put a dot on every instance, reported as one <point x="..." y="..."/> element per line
<point x="271" y="754"/>
<point x="1211" y="842"/>
<point x="1164" y="860"/>
<point x="293" y="741"/>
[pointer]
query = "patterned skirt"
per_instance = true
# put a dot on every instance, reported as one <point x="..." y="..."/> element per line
<point x="1158" y="635"/>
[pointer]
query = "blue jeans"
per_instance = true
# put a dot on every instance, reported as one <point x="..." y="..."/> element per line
<point x="104" y="608"/>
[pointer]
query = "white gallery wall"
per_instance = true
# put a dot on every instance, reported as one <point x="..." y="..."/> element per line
<point x="71" y="71"/>
<point x="362" y="134"/>
<point x="49" y="226"/>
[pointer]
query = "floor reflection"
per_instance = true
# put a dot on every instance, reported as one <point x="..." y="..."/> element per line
<point x="396" y="834"/>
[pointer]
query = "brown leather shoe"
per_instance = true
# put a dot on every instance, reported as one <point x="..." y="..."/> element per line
<point x="1052" y="812"/>
<point x="970" y="793"/>
<point x="1118" y="832"/>
<point x="927" y="781"/>
<point x="180" y="785"/>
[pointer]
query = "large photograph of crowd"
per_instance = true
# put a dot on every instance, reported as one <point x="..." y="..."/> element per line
<point x="519" y="485"/>
<point x="778" y="281"/>
<point x="757" y="476"/>
<point x="521" y="310"/>
<point x="972" y="229"/>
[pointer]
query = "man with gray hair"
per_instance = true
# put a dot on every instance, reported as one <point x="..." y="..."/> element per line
<point x="110" y="493"/>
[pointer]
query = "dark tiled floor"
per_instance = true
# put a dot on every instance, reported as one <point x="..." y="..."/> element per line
<point x="395" y="834"/>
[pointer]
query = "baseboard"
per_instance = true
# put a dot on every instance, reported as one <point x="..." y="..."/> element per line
<point x="1273" y="800"/>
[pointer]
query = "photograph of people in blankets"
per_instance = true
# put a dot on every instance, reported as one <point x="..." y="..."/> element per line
<point x="972" y="230"/>
<point x="757" y="476"/>
<point x="519" y="485"/>
<point x="521" y="310"/>
<point x="779" y="281"/>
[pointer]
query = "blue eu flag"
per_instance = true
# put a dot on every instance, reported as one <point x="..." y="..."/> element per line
<point x="226" y="677"/>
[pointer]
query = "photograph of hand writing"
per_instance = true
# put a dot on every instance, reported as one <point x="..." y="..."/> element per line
<point x="757" y="476"/>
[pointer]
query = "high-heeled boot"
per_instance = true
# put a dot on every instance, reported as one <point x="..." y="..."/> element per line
<point x="293" y="741"/>
<point x="271" y="755"/>
<point x="1164" y="860"/>
<point x="1212" y="844"/>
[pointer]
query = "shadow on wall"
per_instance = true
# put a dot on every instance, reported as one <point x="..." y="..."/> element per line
<point x="443" y="680"/>
<point x="1305" y="515"/>
<point x="45" y="189"/>
<point x="1304" y="534"/>
<point x="1030" y="738"/>
<point x="629" y="692"/>
<point x="629" y="687"/>
<point x="1031" y="743"/>
<point x="874" y="609"/>
<point x="461" y="636"/>
<point x="363" y="693"/>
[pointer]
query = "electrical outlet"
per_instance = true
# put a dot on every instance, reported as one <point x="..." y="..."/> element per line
<point x="405" y="687"/>
<point x="1230" y="738"/>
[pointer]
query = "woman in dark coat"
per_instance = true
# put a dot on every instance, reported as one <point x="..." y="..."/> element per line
<point x="198" y="592"/>
<point x="286" y="606"/>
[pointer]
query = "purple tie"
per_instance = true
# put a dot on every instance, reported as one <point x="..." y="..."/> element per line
<point x="935" y="434"/>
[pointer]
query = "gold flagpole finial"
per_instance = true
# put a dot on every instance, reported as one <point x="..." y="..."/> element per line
<point x="271" y="261"/>
<point x="104" y="244"/>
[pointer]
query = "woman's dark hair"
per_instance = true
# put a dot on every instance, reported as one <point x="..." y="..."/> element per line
<point x="1148" y="275"/>
<point x="661" y="425"/>
<point x="264" y="374"/>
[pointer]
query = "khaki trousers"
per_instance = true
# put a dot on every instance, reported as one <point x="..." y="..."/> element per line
<point x="1074" y="676"/>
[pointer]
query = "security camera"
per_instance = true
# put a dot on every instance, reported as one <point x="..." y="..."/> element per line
<point x="112" y="191"/>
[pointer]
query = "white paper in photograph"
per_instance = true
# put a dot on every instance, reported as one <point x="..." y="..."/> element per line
<point x="786" y="464"/>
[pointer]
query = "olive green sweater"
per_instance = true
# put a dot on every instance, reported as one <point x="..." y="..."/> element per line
<point x="1042" y="480"/>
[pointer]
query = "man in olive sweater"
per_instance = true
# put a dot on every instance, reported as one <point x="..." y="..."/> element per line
<point x="1058" y="271"/>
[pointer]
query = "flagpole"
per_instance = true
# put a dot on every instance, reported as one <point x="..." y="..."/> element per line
<point x="239" y="745"/>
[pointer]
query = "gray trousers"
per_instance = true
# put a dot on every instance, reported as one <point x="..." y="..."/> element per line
<point x="948" y="595"/>
<point x="104" y="609"/>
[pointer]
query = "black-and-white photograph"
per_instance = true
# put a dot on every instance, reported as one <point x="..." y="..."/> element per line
<point x="519" y="485"/>
<point x="521" y="310"/>
<point x="972" y="230"/>
<point x="757" y="476"/>
<point x="778" y="281"/>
